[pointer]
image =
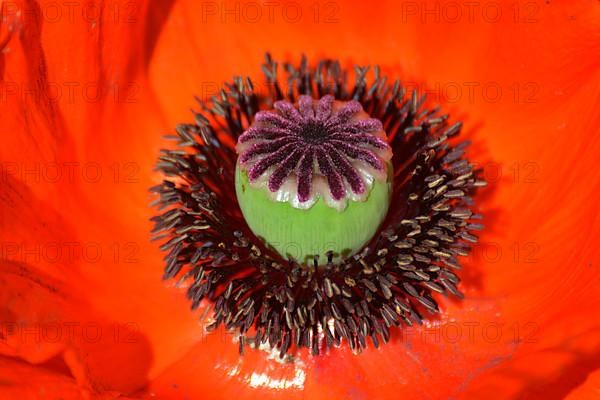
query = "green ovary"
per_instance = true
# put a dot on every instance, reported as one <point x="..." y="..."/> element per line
<point x="302" y="234"/>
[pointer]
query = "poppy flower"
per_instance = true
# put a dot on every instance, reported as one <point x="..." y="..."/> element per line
<point x="87" y="96"/>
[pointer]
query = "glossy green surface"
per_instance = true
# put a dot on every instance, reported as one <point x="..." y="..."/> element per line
<point x="301" y="234"/>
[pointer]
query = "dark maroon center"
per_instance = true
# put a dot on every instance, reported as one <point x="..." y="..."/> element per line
<point x="314" y="132"/>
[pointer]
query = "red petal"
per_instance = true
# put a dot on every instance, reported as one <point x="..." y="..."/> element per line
<point x="553" y="61"/>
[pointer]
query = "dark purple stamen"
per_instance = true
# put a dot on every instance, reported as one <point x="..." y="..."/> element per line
<point x="359" y="154"/>
<point x="336" y="186"/>
<point x="347" y="170"/>
<point x="269" y="161"/>
<point x="305" y="175"/>
<point x="286" y="168"/>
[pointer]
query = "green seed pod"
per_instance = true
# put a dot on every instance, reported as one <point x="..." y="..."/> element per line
<point x="314" y="178"/>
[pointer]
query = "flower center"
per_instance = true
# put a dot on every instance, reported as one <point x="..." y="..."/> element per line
<point x="271" y="299"/>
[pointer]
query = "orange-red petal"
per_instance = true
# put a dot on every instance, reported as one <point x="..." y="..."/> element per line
<point x="538" y="292"/>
